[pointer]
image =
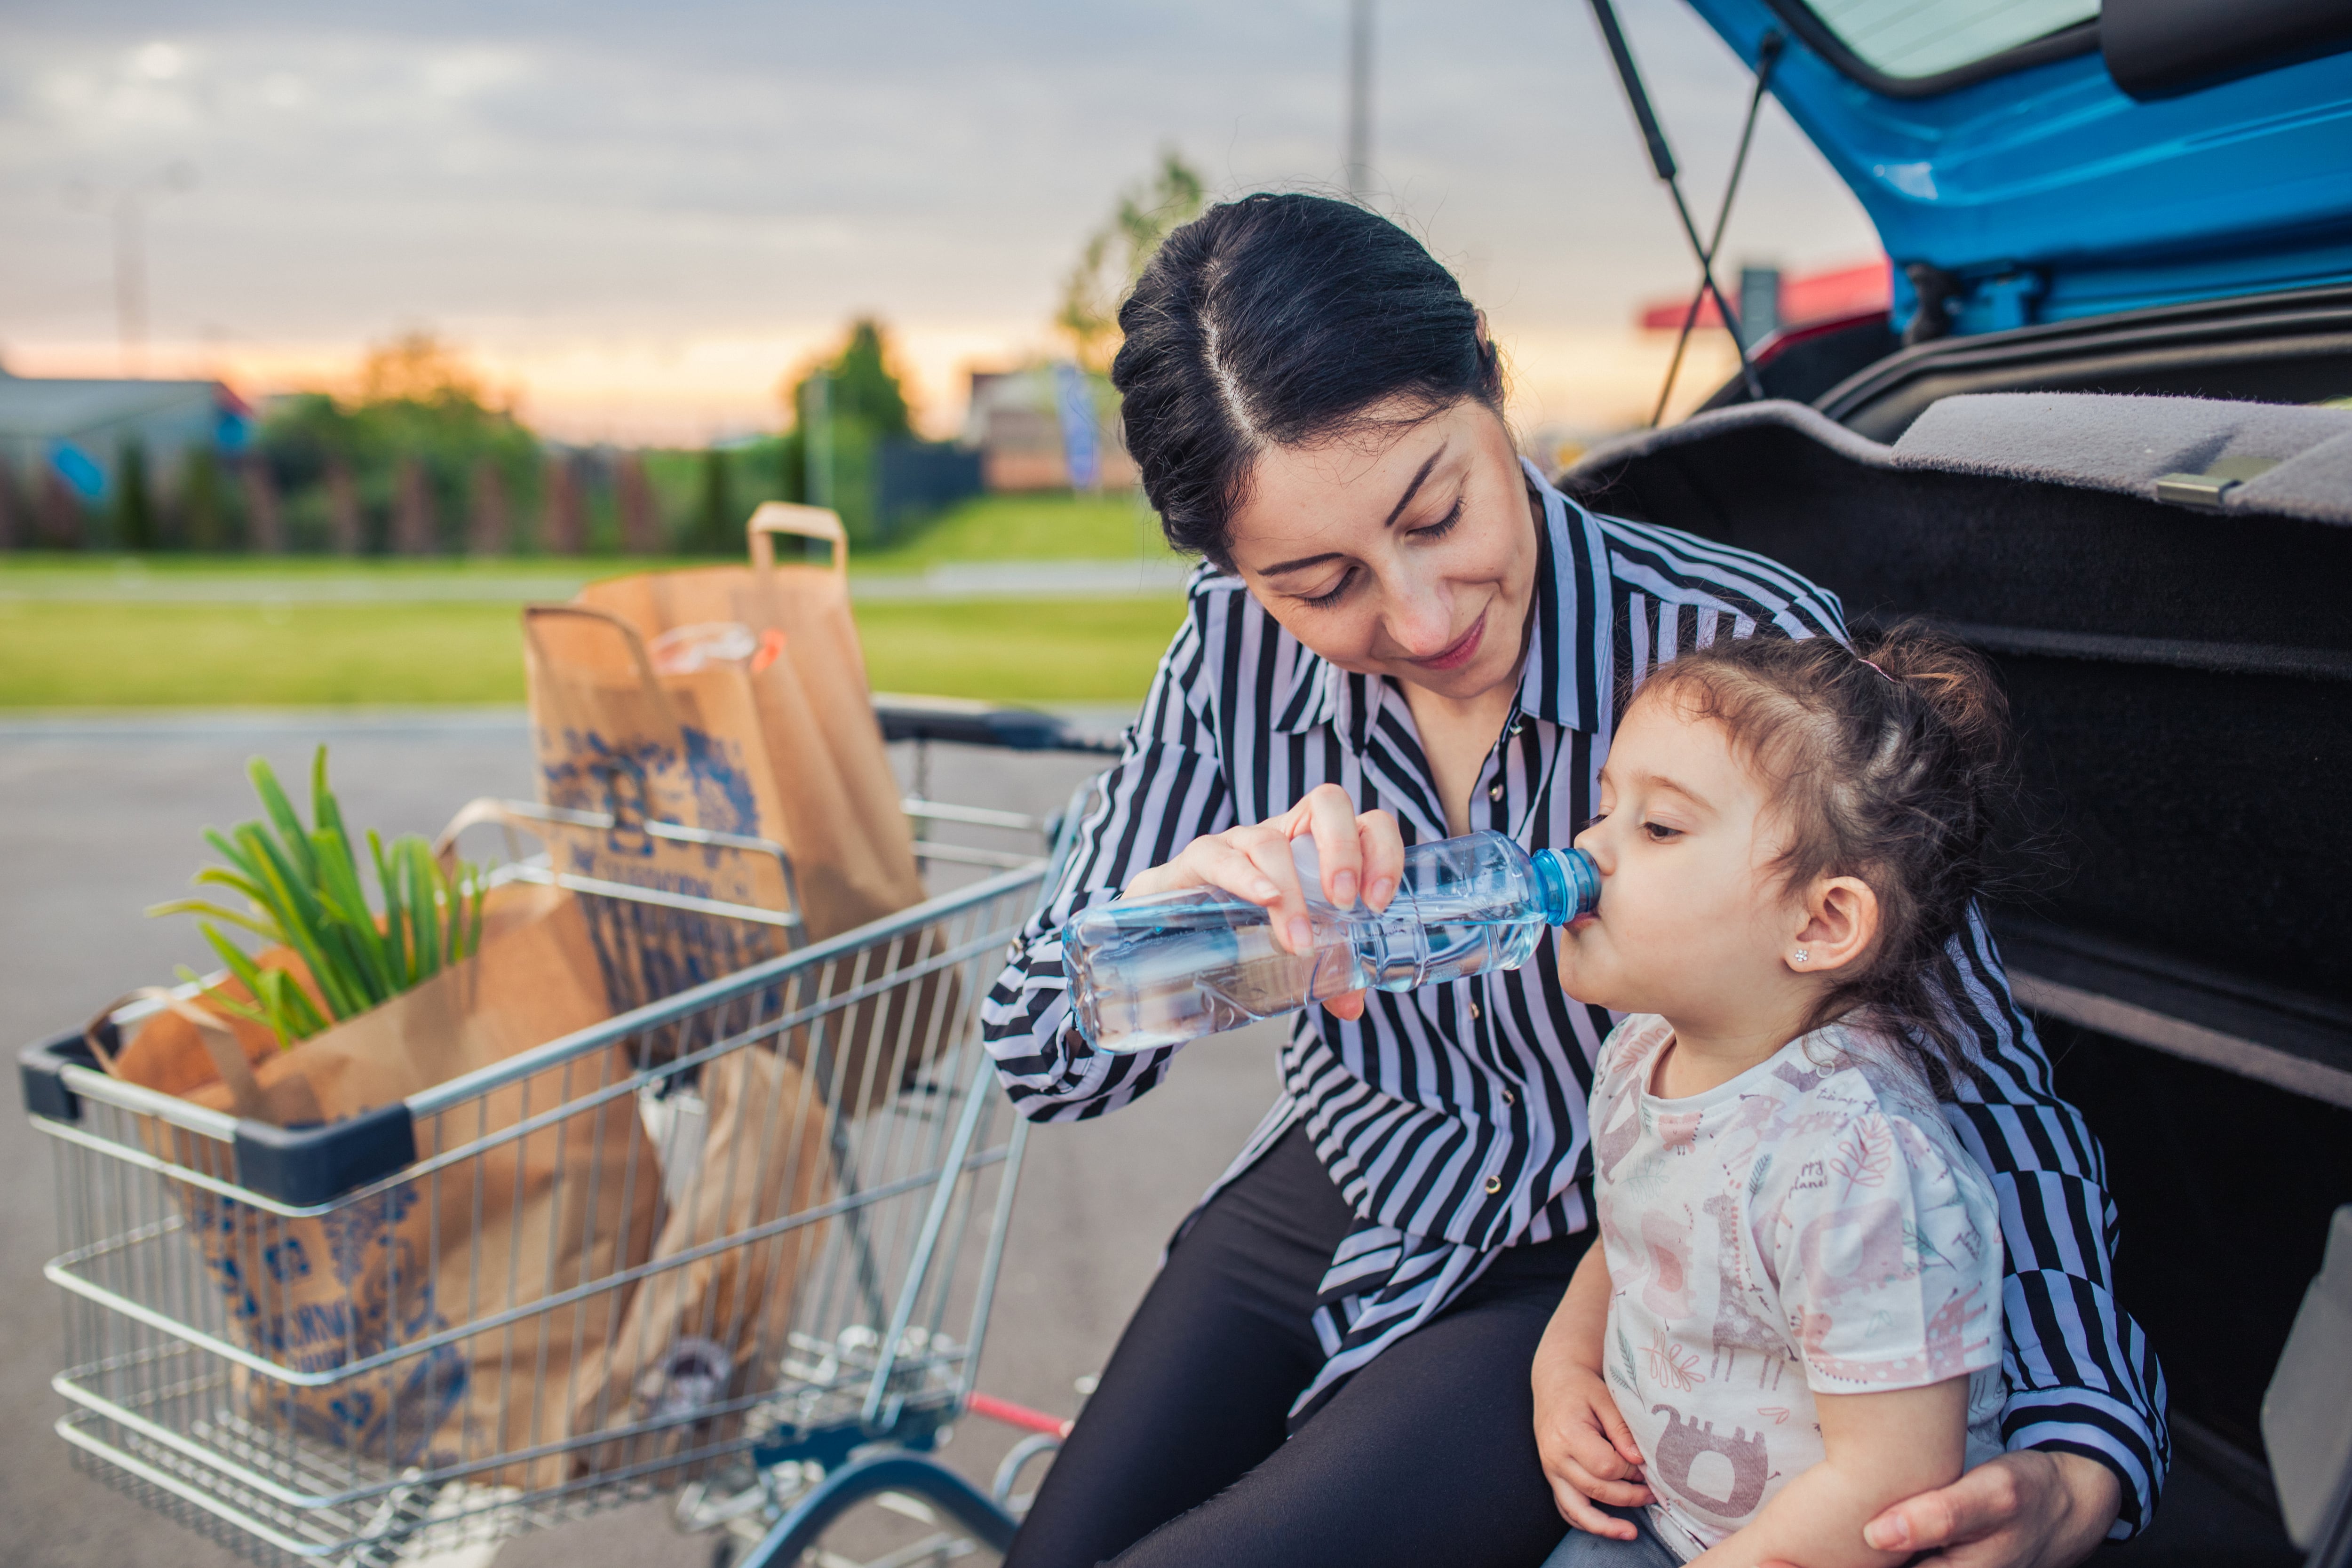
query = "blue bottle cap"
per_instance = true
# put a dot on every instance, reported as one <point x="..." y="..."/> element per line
<point x="1567" y="884"/>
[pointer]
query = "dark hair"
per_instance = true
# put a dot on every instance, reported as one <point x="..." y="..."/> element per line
<point x="1278" y="320"/>
<point x="1890" y="763"/>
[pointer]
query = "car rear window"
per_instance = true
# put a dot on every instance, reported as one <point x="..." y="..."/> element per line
<point x="1911" y="39"/>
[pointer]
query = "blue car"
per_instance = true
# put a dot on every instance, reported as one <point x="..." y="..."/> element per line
<point x="2105" y="433"/>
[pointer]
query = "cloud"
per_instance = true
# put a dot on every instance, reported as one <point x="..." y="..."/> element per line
<point x="527" y="177"/>
<point x="159" y="61"/>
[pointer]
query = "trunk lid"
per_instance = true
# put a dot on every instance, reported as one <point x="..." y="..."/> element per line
<point x="2026" y="186"/>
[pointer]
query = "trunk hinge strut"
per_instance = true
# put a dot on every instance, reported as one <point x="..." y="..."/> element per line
<point x="1661" y="159"/>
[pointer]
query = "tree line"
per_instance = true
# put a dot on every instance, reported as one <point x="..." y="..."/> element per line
<point x="420" y="461"/>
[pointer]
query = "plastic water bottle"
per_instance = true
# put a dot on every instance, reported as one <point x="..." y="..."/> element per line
<point x="1169" y="967"/>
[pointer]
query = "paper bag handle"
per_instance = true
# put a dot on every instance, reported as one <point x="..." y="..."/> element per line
<point x="220" y="1042"/>
<point x="629" y="639"/>
<point x="474" y="813"/>
<point x="807" y="521"/>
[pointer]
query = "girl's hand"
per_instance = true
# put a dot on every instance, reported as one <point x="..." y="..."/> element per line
<point x="1362" y="855"/>
<point x="1589" y="1455"/>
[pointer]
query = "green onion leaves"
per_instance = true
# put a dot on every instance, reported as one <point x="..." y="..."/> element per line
<point x="303" y="892"/>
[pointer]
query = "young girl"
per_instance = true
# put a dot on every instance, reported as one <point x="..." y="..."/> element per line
<point x="1792" y="1317"/>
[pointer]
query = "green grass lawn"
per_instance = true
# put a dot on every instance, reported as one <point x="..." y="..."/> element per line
<point x="986" y="529"/>
<point x="305" y="654"/>
<point x="1020" y="651"/>
<point x="1029" y="527"/>
<point x="111" y="631"/>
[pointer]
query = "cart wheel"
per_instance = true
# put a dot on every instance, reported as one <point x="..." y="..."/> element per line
<point x="880" y="1532"/>
<point x="894" y="1507"/>
<point x="722" y="1552"/>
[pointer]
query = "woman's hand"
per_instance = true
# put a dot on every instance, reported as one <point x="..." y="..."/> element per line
<point x="2026" y="1510"/>
<point x="1589" y="1455"/>
<point x="1360" y="854"/>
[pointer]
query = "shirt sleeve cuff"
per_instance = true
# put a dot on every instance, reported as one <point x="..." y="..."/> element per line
<point x="2112" y="1434"/>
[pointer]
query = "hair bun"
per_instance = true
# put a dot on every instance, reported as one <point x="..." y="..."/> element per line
<point x="1951" y="677"/>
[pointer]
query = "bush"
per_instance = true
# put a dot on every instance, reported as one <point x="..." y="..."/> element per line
<point x="418" y="407"/>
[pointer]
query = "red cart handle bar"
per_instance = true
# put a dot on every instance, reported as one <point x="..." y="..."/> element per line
<point x="1019" y="1415"/>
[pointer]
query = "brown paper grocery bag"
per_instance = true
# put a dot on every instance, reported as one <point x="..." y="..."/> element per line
<point x="788" y="751"/>
<point x="837" y="799"/>
<point x="572" y="1204"/>
<point x="614" y="738"/>
<point x="703" y="1336"/>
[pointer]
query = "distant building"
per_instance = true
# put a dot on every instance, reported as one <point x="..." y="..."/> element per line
<point x="1015" y="422"/>
<point x="77" y="430"/>
<point x="1794" y="301"/>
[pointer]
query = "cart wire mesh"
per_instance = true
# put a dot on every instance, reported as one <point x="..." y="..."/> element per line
<point x="762" y="1215"/>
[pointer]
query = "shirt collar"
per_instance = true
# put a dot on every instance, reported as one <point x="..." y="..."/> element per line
<point x="1570" y="671"/>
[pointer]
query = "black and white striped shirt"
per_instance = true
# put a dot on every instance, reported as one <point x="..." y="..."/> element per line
<point x="1452" y="1117"/>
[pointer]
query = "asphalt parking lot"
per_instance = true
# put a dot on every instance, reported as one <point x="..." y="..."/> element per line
<point x="99" y="819"/>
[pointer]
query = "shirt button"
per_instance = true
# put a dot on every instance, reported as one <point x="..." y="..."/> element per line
<point x="1494" y="1185"/>
<point x="1474" y="1007"/>
<point x="1496" y="793"/>
<point x="1509" y="1099"/>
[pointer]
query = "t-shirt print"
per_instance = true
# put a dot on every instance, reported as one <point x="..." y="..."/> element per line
<point x="1810" y="1226"/>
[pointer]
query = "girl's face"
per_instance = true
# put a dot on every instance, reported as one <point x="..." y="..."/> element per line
<point x="1693" y="922"/>
<point x="1404" y="549"/>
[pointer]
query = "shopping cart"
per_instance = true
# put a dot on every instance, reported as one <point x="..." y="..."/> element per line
<point x="836" y="1357"/>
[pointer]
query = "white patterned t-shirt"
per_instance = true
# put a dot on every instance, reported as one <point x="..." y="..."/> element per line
<point x="1811" y="1226"/>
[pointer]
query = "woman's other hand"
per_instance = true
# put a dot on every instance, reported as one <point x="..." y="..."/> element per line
<point x="1361" y="855"/>
<point x="2026" y="1510"/>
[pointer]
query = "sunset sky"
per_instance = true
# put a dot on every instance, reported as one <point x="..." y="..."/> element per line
<point x="636" y="219"/>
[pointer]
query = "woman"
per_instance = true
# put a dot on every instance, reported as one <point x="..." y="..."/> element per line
<point x="1403" y="633"/>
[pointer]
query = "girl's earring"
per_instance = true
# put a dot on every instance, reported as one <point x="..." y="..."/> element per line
<point x="1803" y="956"/>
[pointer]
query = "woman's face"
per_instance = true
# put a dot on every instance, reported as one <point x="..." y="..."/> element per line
<point x="1401" y="548"/>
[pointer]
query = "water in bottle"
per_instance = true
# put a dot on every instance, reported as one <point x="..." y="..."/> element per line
<point x="1169" y="967"/>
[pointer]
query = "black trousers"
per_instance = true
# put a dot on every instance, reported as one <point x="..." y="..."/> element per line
<point x="1425" y="1456"/>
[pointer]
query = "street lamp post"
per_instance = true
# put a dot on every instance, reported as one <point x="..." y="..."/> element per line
<point x="131" y="280"/>
<point x="1359" y="99"/>
<point x="816" y="451"/>
<point x="131" y="205"/>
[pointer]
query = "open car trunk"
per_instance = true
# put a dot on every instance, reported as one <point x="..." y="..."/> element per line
<point x="2181" y="675"/>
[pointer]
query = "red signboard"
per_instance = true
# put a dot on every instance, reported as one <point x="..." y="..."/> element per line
<point x="1813" y="296"/>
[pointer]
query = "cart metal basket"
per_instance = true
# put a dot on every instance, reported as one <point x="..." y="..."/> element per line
<point x="858" y="1291"/>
